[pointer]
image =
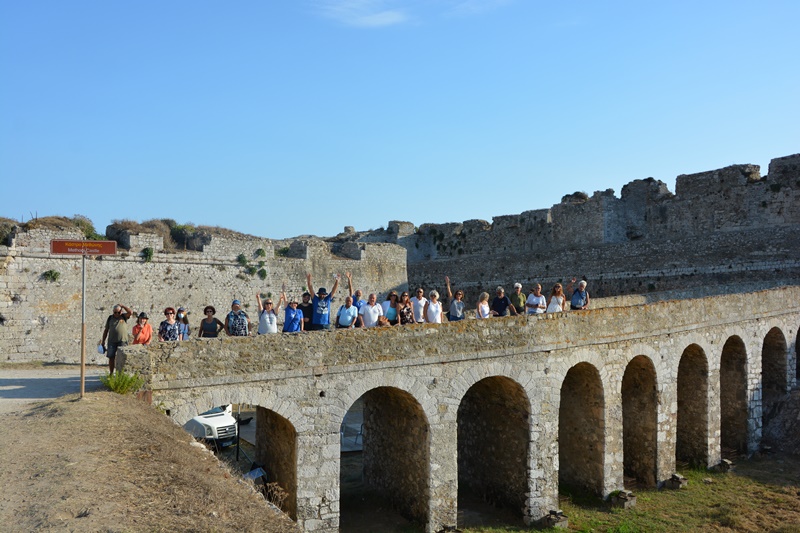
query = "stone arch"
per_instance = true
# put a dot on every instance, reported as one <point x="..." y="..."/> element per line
<point x="774" y="369"/>
<point x="733" y="396"/>
<point x="396" y="452"/>
<point x="581" y="429"/>
<point x="494" y="441"/>
<point x="692" y="424"/>
<point x="640" y="420"/>
<point x="276" y="449"/>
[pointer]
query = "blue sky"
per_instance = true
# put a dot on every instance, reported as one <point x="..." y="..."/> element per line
<point x="284" y="118"/>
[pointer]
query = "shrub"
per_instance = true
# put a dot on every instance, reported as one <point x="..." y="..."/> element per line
<point x="147" y="253"/>
<point x="262" y="274"/>
<point x="282" y="252"/>
<point x="251" y="270"/>
<point x="261" y="253"/>
<point x="241" y="259"/>
<point x="51" y="275"/>
<point x="122" y="382"/>
<point x="87" y="227"/>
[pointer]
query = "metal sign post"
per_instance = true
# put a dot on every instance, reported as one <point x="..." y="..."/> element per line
<point x="83" y="248"/>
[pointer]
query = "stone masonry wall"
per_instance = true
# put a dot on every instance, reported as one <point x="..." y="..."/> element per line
<point x="41" y="319"/>
<point x="312" y="379"/>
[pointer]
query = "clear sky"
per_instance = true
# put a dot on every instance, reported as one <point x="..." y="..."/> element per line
<point x="288" y="117"/>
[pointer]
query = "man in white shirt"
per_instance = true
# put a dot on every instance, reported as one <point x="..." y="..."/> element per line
<point x="368" y="314"/>
<point x="418" y="305"/>
<point x="536" y="302"/>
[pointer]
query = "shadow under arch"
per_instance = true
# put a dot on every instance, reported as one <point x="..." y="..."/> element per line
<point x="581" y="430"/>
<point x="394" y="461"/>
<point x="640" y="421"/>
<point x="276" y="449"/>
<point x="733" y="396"/>
<point x="493" y="446"/>
<point x="774" y="371"/>
<point x="692" y="427"/>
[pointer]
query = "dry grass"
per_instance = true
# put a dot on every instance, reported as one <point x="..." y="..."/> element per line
<point x="111" y="463"/>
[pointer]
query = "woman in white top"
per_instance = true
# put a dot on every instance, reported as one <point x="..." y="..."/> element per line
<point x="536" y="302"/>
<point x="267" y="317"/>
<point x="433" y="309"/>
<point x="482" y="309"/>
<point x="557" y="299"/>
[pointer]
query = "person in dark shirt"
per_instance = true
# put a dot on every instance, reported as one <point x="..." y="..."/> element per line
<point x="501" y="305"/>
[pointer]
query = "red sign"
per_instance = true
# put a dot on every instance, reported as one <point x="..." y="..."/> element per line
<point x="58" y="246"/>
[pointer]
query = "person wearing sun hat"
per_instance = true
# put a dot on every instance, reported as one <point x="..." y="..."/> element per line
<point x="321" y="304"/>
<point x="142" y="330"/>
<point x="237" y="323"/>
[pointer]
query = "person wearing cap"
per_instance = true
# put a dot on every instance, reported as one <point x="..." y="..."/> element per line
<point x="182" y="317"/>
<point x="517" y="298"/>
<point x="116" y="331"/>
<point x="267" y="317"/>
<point x="237" y="323"/>
<point x="293" y="320"/>
<point x="210" y="326"/>
<point x="142" y="330"/>
<point x="580" y="296"/>
<point x="321" y="304"/>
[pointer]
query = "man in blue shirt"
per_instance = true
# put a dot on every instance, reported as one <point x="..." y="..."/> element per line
<point x="347" y="315"/>
<point x="321" y="304"/>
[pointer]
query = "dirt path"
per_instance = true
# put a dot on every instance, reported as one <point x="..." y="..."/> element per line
<point x="23" y="386"/>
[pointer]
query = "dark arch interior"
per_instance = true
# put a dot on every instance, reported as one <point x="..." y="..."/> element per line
<point x="692" y="431"/>
<point x="774" y="363"/>
<point x="493" y="445"/>
<point x="639" y="421"/>
<point x="276" y="449"/>
<point x="392" y="485"/>
<point x="581" y="430"/>
<point x="733" y="397"/>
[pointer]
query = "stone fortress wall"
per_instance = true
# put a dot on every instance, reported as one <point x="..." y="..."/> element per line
<point x="722" y="231"/>
<point x="723" y="227"/>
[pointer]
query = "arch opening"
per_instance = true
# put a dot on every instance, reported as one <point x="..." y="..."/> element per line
<point x="733" y="397"/>
<point x="692" y="427"/>
<point x="493" y="446"/>
<point x="639" y="422"/>
<point x="384" y="482"/>
<point x="276" y="449"/>
<point x="774" y="370"/>
<point x="581" y="430"/>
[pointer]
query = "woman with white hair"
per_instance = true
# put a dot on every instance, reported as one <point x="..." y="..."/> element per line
<point x="580" y="297"/>
<point x="433" y="309"/>
<point x="482" y="310"/>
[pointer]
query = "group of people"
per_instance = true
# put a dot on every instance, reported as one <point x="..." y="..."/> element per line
<point x="314" y="312"/>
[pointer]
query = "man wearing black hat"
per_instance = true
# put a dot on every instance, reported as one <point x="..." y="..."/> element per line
<point x="321" y="304"/>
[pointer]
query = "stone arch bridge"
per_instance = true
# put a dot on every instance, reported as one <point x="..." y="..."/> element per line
<point x="512" y="407"/>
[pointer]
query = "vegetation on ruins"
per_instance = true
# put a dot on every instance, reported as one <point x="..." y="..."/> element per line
<point x="121" y="382"/>
<point x="147" y="254"/>
<point x="51" y="275"/>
